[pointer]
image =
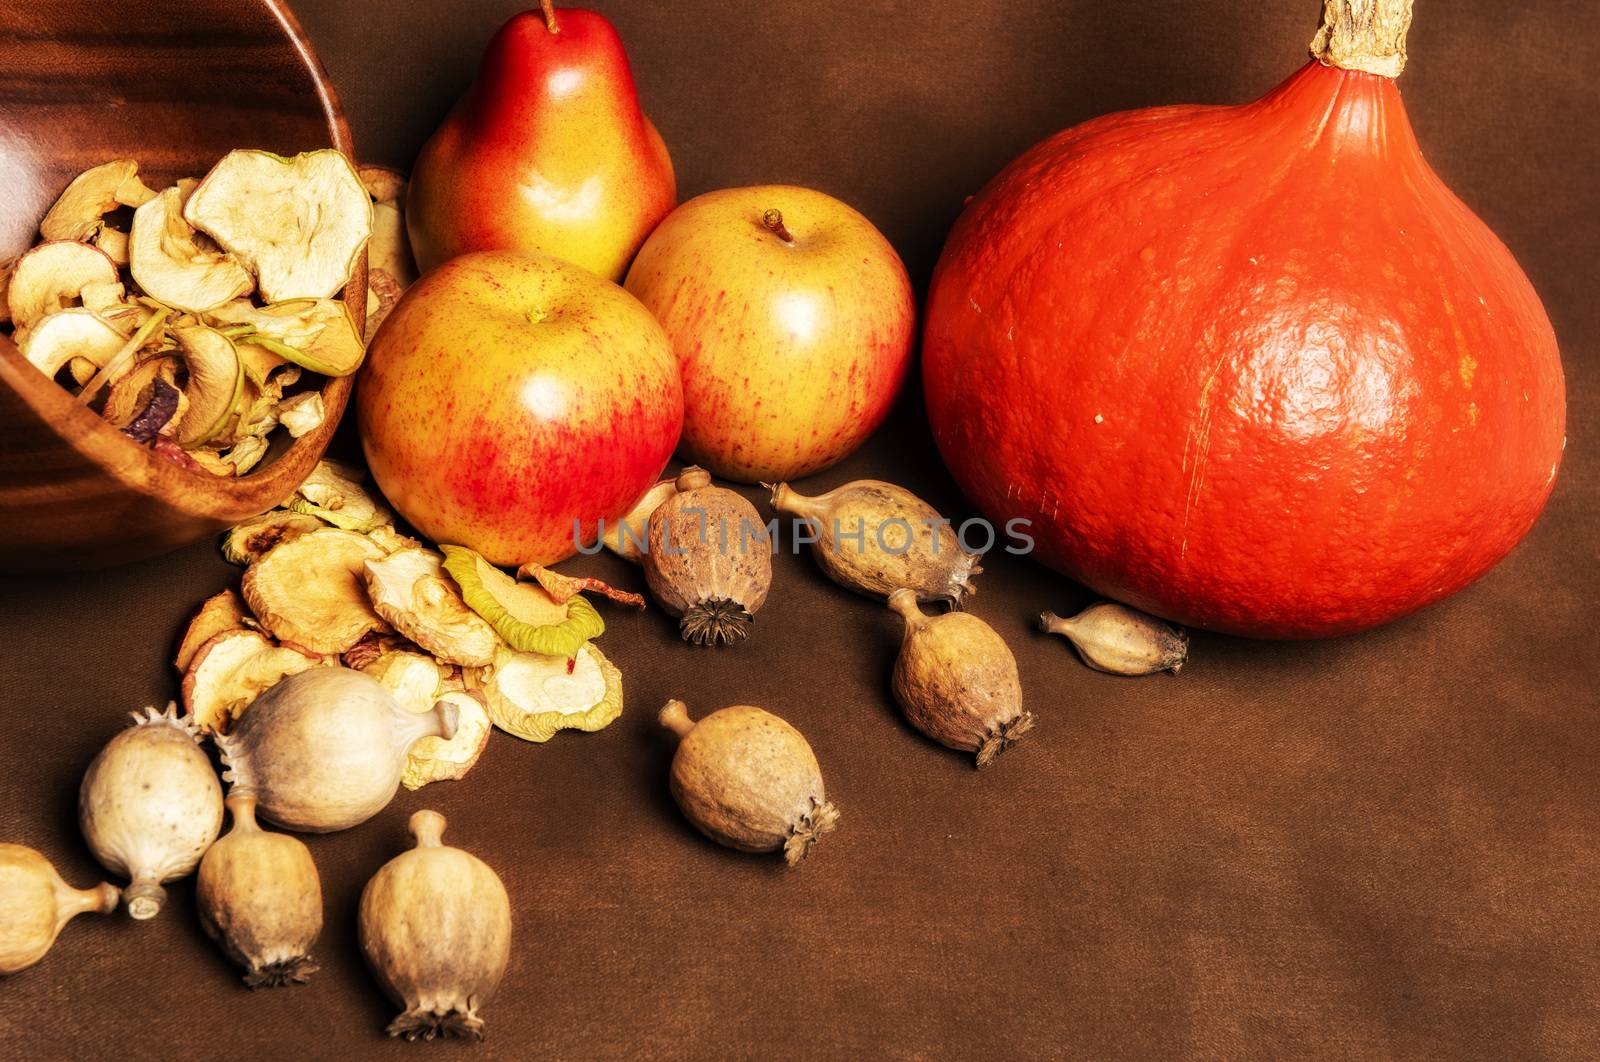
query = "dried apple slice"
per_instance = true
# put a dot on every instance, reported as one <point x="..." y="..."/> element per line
<point x="409" y="589"/>
<point x="436" y="760"/>
<point x="210" y="461"/>
<point x="128" y="316"/>
<point x="301" y="414"/>
<point x="246" y="454"/>
<point x="230" y="671"/>
<point x="102" y="297"/>
<point x="131" y="393"/>
<point x="68" y="334"/>
<point x="390" y="266"/>
<point x="317" y="334"/>
<point x="114" y="242"/>
<point x="533" y="696"/>
<point x="374" y="647"/>
<point x="161" y="408"/>
<point x="566" y="587"/>
<point x="383" y="184"/>
<point x="172" y="267"/>
<point x="81" y="370"/>
<point x="298" y="223"/>
<point x="257" y="413"/>
<point x="216" y="383"/>
<point x="310" y="590"/>
<point x="165" y="447"/>
<point x="524" y="614"/>
<point x="391" y="540"/>
<point x="252" y="417"/>
<point x="52" y="277"/>
<point x="383" y="295"/>
<point x="94" y="193"/>
<point x="333" y="492"/>
<point x="259" y="362"/>
<point x="413" y="679"/>
<point x="147" y="333"/>
<point x="219" y="612"/>
<point x="248" y="542"/>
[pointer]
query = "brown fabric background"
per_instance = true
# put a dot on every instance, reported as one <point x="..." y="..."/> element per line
<point x="1380" y="846"/>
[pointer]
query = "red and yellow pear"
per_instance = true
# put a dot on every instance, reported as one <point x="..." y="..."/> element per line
<point x="548" y="151"/>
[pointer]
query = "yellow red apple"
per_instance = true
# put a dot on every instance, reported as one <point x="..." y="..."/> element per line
<point x="513" y="400"/>
<point x="792" y="318"/>
<point x="548" y="151"/>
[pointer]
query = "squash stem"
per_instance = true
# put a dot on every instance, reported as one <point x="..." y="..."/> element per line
<point x="1364" y="35"/>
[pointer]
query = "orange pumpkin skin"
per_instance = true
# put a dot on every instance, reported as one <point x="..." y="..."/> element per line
<point x="1254" y="369"/>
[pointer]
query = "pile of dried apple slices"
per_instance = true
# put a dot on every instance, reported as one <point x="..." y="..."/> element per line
<point x="187" y="317"/>
<point x="330" y="582"/>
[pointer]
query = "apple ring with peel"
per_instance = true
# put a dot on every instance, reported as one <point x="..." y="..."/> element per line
<point x="65" y="335"/>
<point x="216" y="384"/>
<point x="172" y="268"/>
<point x="526" y="615"/>
<point x="52" y="277"/>
<point x="230" y="671"/>
<point x="533" y="696"/>
<point x="299" y="224"/>
<point x="316" y="334"/>
<point x="410" y="590"/>
<point x="217" y="613"/>
<point x="79" y="214"/>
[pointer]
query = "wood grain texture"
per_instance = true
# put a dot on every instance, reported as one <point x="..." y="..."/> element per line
<point x="175" y="85"/>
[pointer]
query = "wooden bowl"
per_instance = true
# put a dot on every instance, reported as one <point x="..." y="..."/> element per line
<point x="174" y="84"/>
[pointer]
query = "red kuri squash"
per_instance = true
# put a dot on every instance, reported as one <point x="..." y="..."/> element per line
<point x="1256" y="368"/>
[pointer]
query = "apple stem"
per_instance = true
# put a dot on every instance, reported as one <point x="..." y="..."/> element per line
<point x="773" y="220"/>
<point x="549" y="9"/>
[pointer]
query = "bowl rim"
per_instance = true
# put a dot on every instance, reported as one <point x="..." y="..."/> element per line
<point x="195" y="492"/>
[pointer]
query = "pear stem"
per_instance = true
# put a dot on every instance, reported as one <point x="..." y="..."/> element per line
<point x="549" y="9"/>
<point x="773" y="220"/>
